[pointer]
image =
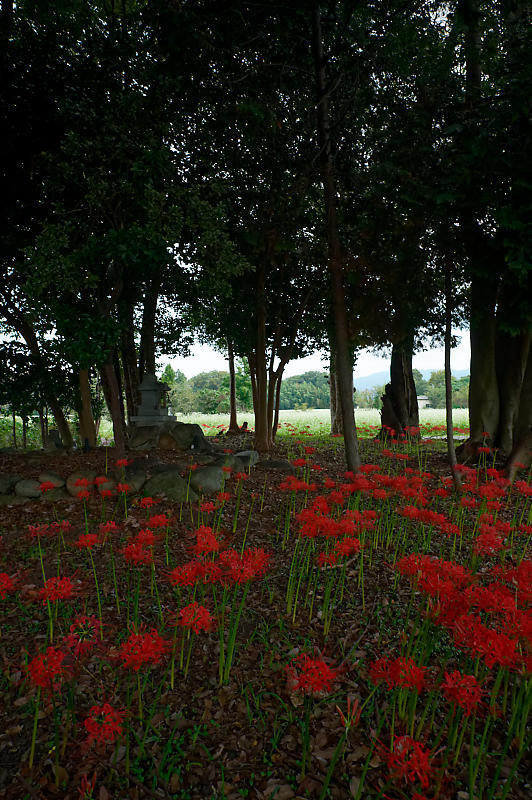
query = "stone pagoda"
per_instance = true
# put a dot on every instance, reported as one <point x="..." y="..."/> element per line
<point x="153" y="409"/>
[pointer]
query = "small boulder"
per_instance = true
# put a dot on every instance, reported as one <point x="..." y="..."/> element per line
<point x="28" y="488"/>
<point x="280" y="465"/>
<point x="171" y="485"/>
<point x="208" y="479"/>
<point x="247" y="458"/>
<point x="53" y="495"/>
<point x="74" y="490"/>
<point x="13" y="500"/>
<point x="8" y="481"/>
<point x="52" y="477"/>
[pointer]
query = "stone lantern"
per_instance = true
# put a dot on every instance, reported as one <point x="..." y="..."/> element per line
<point x="153" y="409"/>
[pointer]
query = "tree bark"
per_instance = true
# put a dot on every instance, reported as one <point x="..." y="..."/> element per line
<point x="111" y="393"/>
<point x="129" y="364"/>
<point x="14" y="421"/>
<point x="344" y="368"/>
<point x="147" y="333"/>
<point x="233" y="421"/>
<point x="87" y="428"/>
<point x="262" y="441"/>
<point x="451" y="452"/>
<point x="402" y="392"/>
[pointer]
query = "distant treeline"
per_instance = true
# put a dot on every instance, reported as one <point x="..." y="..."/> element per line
<point x="208" y="392"/>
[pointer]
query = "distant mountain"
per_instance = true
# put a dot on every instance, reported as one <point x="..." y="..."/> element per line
<point x="380" y="378"/>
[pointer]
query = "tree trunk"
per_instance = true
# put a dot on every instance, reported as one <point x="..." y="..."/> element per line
<point x="233" y="421"/>
<point x="337" y="428"/>
<point x="277" y="404"/>
<point x="147" y="333"/>
<point x="344" y="366"/>
<point x="262" y="438"/>
<point x="14" y="421"/>
<point x="87" y="429"/>
<point x="399" y="406"/>
<point x="42" y="425"/>
<point x="111" y="393"/>
<point x="24" y="431"/>
<point x="448" y="379"/>
<point x="129" y="364"/>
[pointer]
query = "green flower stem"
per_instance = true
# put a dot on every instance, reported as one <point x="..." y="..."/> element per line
<point x="35" y="723"/>
<point x="97" y="592"/>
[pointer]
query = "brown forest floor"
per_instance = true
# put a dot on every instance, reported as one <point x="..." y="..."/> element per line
<point x="238" y="740"/>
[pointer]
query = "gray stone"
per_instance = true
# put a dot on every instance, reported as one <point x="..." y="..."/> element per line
<point x="28" y="488"/>
<point x="52" y="477"/>
<point x="279" y="465"/>
<point x="171" y="484"/>
<point x="55" y="494"/>
<point x="136" y="480"/>
<point x="53" y="441"/>
<point x="8" y="481"/>
<point x="248" y="458"/>
<point x="74" y="490"/>
<point x="208" y="479"/>
<point x="13" y="500"/>
<point x="229" y="460"/>
<point x="171" y="435"/>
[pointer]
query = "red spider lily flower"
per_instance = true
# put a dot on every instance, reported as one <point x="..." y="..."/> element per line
<point x="57" y="589"/>
<point x="86" y="787"/>
<point x="123" y="488"/>
<point x="309" y="450"/>
<point x="46" y="669"/>
<point x="484" y="450"/>
<point x="122" y="462"/>
<point x="488" y="542"/>
<point x="87" y="540"/>
<point x="83" y="482"/>
<point x="100" y="480"/>
<point x="196" y="617"/>
<point x="398" y="672"/>
<point x="223" y="497"/>
<point x="147" y="502"/>
<point x="106" y="493"/>
<point x="83" y="495"/>
<point x="47" y="486"/>
<point x="6" y="585"/>
<point x="108" y="527"/>
<point x="462" y="690"/>
<point x="135" y="553"/>
<point x="146" y="538"/>
<point x="84" y="635"/>
<point x="206" y="541"/>
<point x="241" y="476"/>
<point x="227" y="449"/>
<point x="38" y="530"/>
<point x="329" y="484"/>
<point x="228" y="470"/>
<point x="410" y="760"/>
<point x="187" y="574"/>
<point x="348" y="546"/>
<point x="193" y="467"/>
<point x="207" y="507"/>
<point x="158" y="521"/>
<point x="327" y="559"/>
<point x="353" y="713"/>
<point x="142" y="648"/>
<point x="299" y="462"/>
<point x="523" y="488"/>
<point x="104" y="724"/>
<point x="310" y="675"/>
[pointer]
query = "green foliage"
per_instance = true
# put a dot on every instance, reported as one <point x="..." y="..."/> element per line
<point x="310" y="390"/>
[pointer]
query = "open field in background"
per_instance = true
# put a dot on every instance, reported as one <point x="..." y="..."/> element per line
<point x="313" y="421"/>
<point x="317" y="421"/>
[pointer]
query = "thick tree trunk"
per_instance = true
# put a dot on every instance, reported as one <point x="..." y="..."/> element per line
<point x="337" y="426"/>
<point x="112" y="398"/>
<point x="451" y="453"/>
<point x="129" y="364"/>
<point x="344" y="364"/>
<point x="511" y="357"/>
<point x="399" y="402"/>
<point x="87" y="428"/>
<point x="233" y="421"/>
<point x="147" y="333"/>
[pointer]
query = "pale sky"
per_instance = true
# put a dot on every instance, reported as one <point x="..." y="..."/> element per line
<point x="205" y="359"/>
